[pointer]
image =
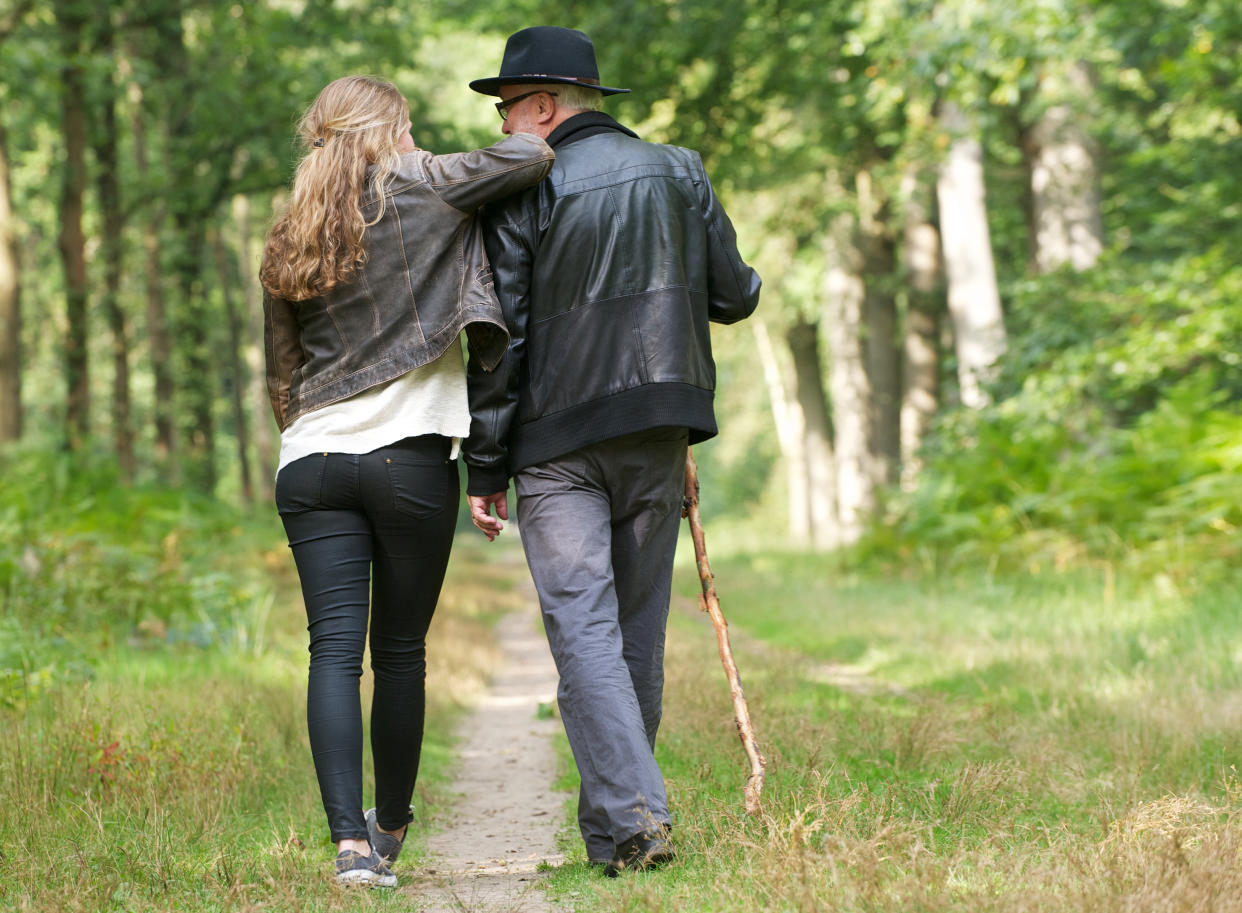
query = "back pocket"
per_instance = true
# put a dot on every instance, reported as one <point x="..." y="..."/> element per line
<point x="420" y="487"/>
<point x="299" y="485"/>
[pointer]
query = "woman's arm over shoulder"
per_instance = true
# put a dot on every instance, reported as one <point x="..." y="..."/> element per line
<point x="467" y="180"/>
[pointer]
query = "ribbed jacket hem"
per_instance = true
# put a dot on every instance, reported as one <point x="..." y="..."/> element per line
<point x="636" y="409"/>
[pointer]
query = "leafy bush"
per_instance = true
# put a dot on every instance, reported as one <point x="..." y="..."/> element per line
<point x="1114" y="431"/>
<point x="86" y="562"/>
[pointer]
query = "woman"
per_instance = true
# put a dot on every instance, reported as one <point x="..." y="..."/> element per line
<point x="369" y="279"/>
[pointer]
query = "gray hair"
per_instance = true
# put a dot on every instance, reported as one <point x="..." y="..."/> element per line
<point x="582" y="98"/>
<point x="573" y="97"/>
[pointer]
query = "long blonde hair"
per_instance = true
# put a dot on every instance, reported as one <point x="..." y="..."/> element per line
<point x="317" y="244"/>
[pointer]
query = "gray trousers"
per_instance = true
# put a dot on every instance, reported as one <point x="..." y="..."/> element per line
<point x="599" y="527"/>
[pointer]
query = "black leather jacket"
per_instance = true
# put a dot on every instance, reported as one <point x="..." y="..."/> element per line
<point x="426" y="278"/>
<point x="608" y="273"/>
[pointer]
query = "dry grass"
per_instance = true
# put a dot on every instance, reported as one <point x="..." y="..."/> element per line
<point x="1042" y="791"/>
<point x="181" y="779"/>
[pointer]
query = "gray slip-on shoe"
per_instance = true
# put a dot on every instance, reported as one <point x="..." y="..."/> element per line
<point x="356" y="869"/>
<point x="386" y="845"/>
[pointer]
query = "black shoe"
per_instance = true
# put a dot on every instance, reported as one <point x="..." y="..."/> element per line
<point x="645" y="850"/>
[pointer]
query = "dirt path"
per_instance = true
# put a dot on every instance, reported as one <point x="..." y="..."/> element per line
<point x="490" y="843"/>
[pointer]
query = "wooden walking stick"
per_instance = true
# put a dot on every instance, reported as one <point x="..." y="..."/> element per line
<point x="710" y="604"/>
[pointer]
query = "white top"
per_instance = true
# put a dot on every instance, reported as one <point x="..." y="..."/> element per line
<point x="427" y="400"/>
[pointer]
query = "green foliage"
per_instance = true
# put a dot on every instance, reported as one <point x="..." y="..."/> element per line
<point x="788" y="102"/>
<point x="1175" y="96"/>
<point x="1115" y="429"/>
<point x="86" y="563"/>
<point x="1114" y="432"/>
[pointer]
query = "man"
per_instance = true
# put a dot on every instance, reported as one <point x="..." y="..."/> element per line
<point x="608" y="273"/>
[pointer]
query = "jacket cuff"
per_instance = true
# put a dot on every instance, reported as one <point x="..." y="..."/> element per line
<point x="482" y="481"/>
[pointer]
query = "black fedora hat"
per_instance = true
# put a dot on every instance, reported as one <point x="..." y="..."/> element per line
<point x="546" y="54"/>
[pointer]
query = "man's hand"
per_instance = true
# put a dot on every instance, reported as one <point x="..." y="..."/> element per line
<point x="481" y="513"/>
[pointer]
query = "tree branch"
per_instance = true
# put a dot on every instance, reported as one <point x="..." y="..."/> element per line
<point x="710" y="603"/>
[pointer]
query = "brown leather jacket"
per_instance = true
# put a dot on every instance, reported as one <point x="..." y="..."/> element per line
<point x="426" y="278"/>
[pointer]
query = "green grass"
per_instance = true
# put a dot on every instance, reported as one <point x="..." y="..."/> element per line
<point x="1064" y="742"/>
<point x="155" y="754"/>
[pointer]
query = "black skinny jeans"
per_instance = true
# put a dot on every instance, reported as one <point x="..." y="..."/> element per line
<point x="377" y="525"/>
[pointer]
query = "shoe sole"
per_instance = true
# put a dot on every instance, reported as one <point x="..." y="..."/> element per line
<point x="366" y="878"/>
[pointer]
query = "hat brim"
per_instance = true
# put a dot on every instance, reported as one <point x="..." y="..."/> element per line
<point x="491" y="85"/>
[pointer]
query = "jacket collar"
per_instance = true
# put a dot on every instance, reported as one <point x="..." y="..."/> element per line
<point x="588" y="123"/>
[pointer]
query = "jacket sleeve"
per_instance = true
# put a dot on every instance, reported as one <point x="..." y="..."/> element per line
<point x="494" y="395"/>
<point x="732" y="286"/>
<point x="283" y="350"/>
<point x="467" y="180"/>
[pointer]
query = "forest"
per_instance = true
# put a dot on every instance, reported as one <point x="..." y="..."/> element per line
<point x="995" y="242"/>
<point x="998" y="340"/>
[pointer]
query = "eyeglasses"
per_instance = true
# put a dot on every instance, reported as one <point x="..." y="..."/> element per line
<point x="503" y="106"/>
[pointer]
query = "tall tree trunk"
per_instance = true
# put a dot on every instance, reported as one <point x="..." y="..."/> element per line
<point x="848" y="385"/>
<point x="109" y="190"/>
<point x="266" y="451"/>
<point x="790" y="435"/>
<point x="974" y="300"/>
<point x="190" y="211"/>
<point x="820" y="461"/>
<point x="72" y="240"/>
<point x="236" y="373"/>
<point x="925" y="303"/>
<point x="10" y="272"/>
<point x="159" y="343"/>
<point x="881" y="354"/>
<point x="196" y="339"/>
<point x="1066" y="224"/>
<point x="10" y="307"/>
